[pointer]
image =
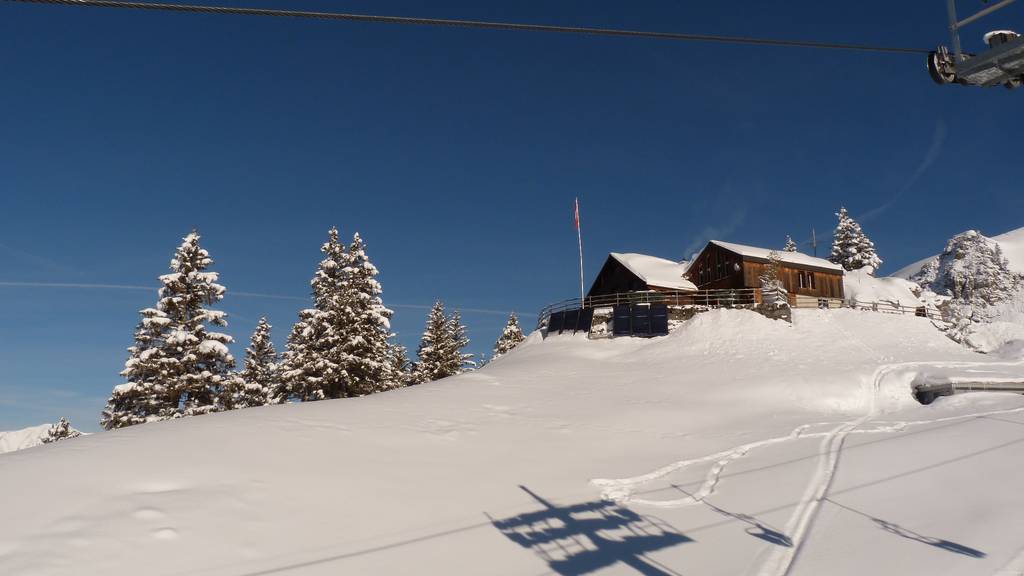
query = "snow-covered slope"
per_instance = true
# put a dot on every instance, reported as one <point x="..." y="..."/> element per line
<point x="714" y="450"/>
<point x="860" y="286"/>
<point x="1012" y="244"/>
<point x="24" y="438"/>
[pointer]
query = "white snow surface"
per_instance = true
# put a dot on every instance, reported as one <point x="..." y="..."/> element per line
<point x="656" y="272"/>
<point x="21" y="439"/>
<point x="788" y="257"/>
<point x="860" y="286"/>
<point x="735" y="445"/>
<point x="1012" y="244"/>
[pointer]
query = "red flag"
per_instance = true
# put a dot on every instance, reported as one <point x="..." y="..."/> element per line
<point x="577" y="213"/>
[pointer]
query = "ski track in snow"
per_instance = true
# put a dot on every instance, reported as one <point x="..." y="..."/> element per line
<point x="780" y="559"/>
<point x="1015" y="567"/>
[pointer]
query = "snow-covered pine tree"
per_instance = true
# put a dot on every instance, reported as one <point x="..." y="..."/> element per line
<point x="772" y="292"/>
<point x="400" y="365"/>
<point x="146" y="396"/>
<point x="300" y="377"/>
<point x="432" y="353"/>
<point x="340" y="347"/>
<point x="367" y="354"/>
<point x="197" y="366"/>
<point x="261" y="373"/>
<point x="851" y="248"/>
<point x="459" y="341"/>
<point x="510" y="337"/>
<point x="62" y="430"/>
<point x="310" y="370"/>
<point x="440" y="351"/>
<point x="790" y="244"/>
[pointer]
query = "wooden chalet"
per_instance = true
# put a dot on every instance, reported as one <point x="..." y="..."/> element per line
<point x="724" y="265"/>
<point x="639" y="272"/>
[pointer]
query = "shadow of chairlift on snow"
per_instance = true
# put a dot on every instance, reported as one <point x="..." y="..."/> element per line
<point x="936" y="542"/>
<point x="757" y="529"/>
<point x="582" y="538"/>
<point x="911" y="535"/>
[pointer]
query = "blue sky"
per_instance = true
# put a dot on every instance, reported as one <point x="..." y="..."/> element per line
<point x="456" y="154"/>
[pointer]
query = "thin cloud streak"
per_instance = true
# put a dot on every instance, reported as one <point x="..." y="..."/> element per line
<point x="74" y="285"/>
<point x="938" y="139"/>
<point x="715" y="232"/>
<point x="37" y="260"/>
<point x="86" y="286"/>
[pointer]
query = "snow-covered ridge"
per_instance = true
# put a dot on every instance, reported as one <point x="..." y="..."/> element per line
<point x="21" y="439"/>
<point x="33" y="436"/>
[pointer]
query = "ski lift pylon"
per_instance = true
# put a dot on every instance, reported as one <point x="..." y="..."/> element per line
<point x="1001" y="64"/>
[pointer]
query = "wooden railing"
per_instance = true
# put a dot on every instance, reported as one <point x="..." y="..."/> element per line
<point x="743" y="297"/>
<point x="738" y="298"/>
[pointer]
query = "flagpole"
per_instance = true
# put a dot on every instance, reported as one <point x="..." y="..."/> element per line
<point x="579" y="238"/>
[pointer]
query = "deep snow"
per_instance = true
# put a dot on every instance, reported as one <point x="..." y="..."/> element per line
<point x="735" y="445"/>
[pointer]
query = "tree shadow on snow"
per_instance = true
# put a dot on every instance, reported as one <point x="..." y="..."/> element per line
<point x="909" y="534"/>
<point x="582" y="538"/>
<point x="757" y="529"/>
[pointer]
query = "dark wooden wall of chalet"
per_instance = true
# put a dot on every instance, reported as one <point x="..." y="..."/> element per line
<point x="614" y="278"/>
<point x="721" y="264"/>
<point x="826" y="284"/>
<point x="722" y="269"/>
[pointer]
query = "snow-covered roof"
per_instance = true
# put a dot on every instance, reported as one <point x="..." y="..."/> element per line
<point x="795" y="258"/>
<point x="656" y="272"/>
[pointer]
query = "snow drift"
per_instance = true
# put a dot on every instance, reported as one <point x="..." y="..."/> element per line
<point x="714" y="450"/>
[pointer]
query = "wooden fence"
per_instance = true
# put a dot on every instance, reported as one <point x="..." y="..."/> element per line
<point x="739" y="298"/>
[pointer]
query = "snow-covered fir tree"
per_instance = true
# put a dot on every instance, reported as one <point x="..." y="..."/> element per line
<point x="340" y="347"/>
<point x="400" y="365"/>
<point x="300" y="377"/>
<point x="460" y="340"/>
<point x="790" y="244"/>
<point x="440" y="351"/>
<point x="146" y="396"/>
<point x="370" y="353"/>
<point x="261" y="373"/>
<point x="510" y="337"/>
<point x="851" y="248"/>
<point x="772" y="292"/>
<point x="178" y="366"/>
<point x="62" y="430"/>
<point x="199" y="366"/>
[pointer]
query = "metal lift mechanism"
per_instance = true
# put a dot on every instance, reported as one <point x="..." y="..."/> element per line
<point x="1002" y="63"/>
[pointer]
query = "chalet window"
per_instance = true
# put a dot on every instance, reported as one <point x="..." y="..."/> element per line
<point x="801" y="279"/>
<point x="810" y="280"/>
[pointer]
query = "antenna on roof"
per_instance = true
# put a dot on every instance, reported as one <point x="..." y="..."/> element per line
<point x="814" y="242"/>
